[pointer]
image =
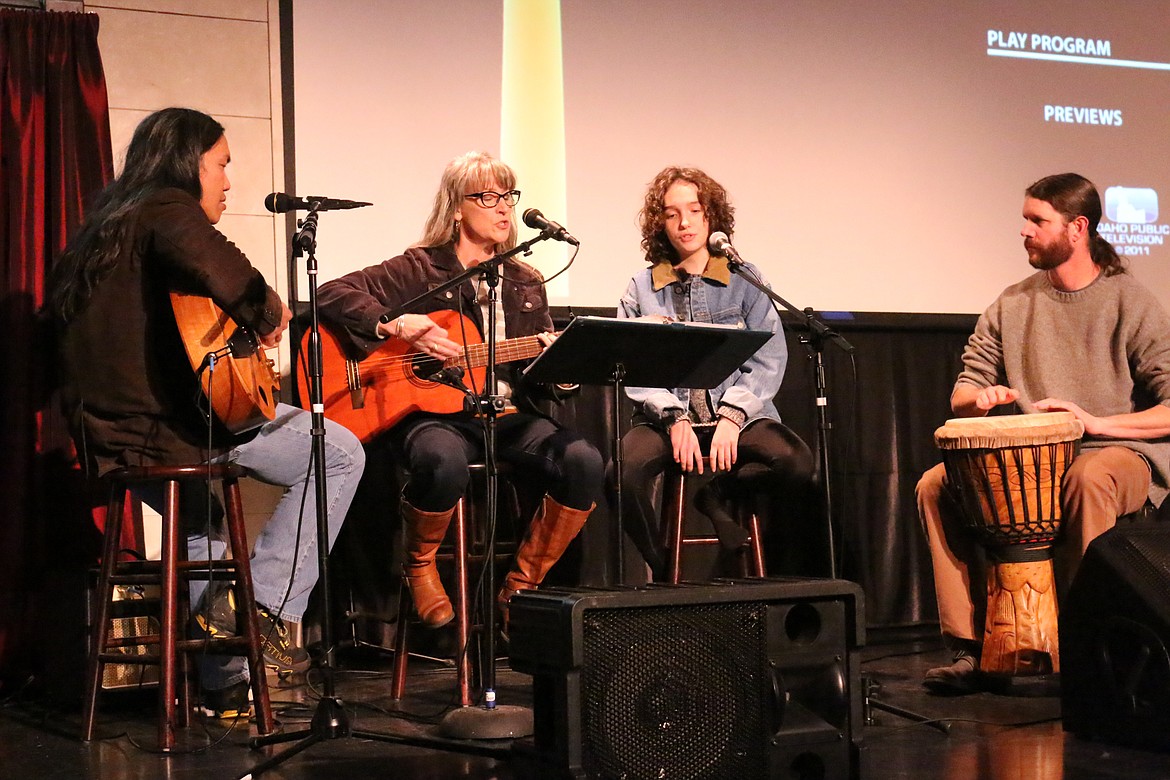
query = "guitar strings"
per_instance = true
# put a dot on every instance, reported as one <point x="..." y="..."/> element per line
<point x="473" y="354"/>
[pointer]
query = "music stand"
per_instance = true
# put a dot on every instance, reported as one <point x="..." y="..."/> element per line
<point x="643" y="353"/>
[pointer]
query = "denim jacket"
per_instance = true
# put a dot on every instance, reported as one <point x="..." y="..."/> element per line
<point x="721" y="297"/>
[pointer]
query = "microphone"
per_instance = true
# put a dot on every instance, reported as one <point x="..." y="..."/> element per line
<point x="278" y="203"/>
<point x="720" y="244"/>
<point x="534" y="219"/>
<point x="451" y="376"/>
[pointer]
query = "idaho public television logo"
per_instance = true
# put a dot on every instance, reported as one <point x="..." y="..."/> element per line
<point x="1131" y="205"/>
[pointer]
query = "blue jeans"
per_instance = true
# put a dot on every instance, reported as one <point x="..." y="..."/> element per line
<point x="284" y="556"/>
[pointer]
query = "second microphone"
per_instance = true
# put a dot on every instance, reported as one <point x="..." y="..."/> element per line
<point x="537" y="221"/>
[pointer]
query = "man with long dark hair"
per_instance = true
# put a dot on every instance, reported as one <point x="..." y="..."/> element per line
<point x="130" y="394"/>
<point x="736" y="423"/>
<point x="1080" y="335"/>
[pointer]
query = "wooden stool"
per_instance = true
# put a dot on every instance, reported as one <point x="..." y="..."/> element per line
<point x="674" y="508"/>
<point x="171" y="575"/>
<point x="468" y="544"/>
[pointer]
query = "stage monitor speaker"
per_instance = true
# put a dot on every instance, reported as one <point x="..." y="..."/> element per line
<point x="1114" y="631"/>
<point x="730" y="679"/>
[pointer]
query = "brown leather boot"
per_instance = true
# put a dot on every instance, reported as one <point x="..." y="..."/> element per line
<point x="549" y="533"/>
<point x="424" y="533"/>
<point x="961" y="677"/>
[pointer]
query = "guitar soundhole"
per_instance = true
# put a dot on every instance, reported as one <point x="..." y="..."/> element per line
<point x="424" y="366"/>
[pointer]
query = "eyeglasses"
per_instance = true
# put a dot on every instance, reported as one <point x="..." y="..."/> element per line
<point x="489" y="199"/>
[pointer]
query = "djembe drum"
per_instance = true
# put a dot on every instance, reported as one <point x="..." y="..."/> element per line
<point x="1006" y="474"/>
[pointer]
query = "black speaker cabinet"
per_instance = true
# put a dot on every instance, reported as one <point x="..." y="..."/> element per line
<point x="742" y="679"/>
<point x="1114" y="630"/>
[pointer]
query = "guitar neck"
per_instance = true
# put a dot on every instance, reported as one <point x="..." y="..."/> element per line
<point x="476" y="355"/>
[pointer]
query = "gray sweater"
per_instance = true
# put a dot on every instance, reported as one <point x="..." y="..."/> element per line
<point x="1106" y="348"/>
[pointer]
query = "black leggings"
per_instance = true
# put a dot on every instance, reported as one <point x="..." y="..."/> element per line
<point x="438" y="449"/>
<point x="783" y="464"/>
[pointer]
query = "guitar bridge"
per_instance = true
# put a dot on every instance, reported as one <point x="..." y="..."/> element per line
<point x="353" y="380"/>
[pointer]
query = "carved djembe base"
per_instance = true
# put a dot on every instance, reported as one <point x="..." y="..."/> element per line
<point x="1020" y="636"/>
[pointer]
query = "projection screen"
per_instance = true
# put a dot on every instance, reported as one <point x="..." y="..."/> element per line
<point x="876" y="153"/>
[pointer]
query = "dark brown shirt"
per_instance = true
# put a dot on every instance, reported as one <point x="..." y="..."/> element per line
<point x="128" y="388"/>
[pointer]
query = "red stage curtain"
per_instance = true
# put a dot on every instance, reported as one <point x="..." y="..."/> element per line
<point x="55" y="155"/>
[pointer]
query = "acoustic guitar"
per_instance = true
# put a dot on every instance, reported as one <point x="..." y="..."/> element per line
<point x="372" y="394"/>
<point x="239" y="382"/>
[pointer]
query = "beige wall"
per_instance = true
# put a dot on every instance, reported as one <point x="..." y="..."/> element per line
<point x="218" y="56"/>
<point x="221" y="57"/>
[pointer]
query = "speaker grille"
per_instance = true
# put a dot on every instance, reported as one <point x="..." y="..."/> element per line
<point x="676" y="692"/>
<point x="1114" y="633"/>
<point x="1146" y="555"/>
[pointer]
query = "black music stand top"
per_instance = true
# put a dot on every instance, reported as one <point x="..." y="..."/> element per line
<point x="653" y="354"/>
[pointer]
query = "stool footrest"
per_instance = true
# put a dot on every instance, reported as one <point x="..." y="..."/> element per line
<point x="212" y="646"/>
<point x="131" y="475"/>
<point x="143" y="640"/>
<point x="149" y="659"/>
<point x="191" y="568"/>
<point x="686" y="541"/>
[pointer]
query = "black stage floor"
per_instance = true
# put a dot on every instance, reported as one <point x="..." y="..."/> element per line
<point x="991" y="736"/>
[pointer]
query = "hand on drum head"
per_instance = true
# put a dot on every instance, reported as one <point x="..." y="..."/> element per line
<point x="996" y="395"/>
<point x="1057" y="405"/>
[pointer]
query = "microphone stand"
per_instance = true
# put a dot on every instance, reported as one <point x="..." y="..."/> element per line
<point x="818" y="334"/>
<point x="330" y="720"/>
<point x="492" y="720"/>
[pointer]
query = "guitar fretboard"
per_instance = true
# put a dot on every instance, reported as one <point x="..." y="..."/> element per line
<point x="476" y="355"/>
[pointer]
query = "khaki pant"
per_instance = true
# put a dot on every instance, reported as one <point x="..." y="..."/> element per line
<point x="1100" y="486"/>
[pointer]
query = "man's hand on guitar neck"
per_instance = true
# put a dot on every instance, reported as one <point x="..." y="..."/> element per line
<point x="422" y="333"/>
<point x="271" y="340"/>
